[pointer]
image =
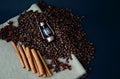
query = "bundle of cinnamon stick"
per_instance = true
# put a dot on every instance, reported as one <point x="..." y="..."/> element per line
<point x="31" y="59"/>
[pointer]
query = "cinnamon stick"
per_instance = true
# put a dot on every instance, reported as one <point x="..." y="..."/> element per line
<point x="24" y="48"/>
<point x="30" y="60"/>
<point x="36" y="67"/>
<point x="38" y="62"/>
<point x="18" y="54"/>
<point x="43" y="61"/>
<point x="24" y="57"/>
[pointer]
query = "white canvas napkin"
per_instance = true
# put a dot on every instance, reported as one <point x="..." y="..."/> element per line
<point x="10" y="67"/>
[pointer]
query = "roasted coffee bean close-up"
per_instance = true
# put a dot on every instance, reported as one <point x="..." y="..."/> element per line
<point x="69" y="36"/>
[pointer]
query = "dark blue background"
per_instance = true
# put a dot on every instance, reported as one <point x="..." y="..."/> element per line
<point x="101" y="25"/>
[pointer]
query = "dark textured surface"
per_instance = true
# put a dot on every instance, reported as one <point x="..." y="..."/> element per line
<point x="101" y="25"/>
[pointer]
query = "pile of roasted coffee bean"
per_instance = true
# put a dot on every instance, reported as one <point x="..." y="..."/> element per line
<point x="69" y="36"/>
